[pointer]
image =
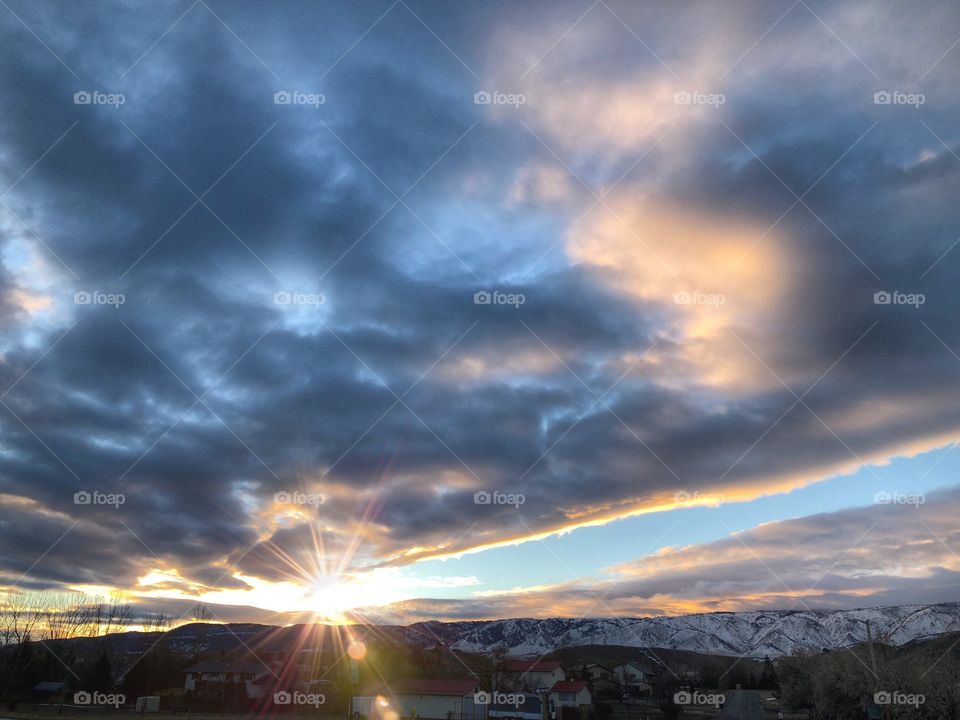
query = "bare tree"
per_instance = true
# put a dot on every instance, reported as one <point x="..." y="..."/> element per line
<point x="201" y="615"/>
<point x="20" y="618"/>
<point x="498" y="657"/>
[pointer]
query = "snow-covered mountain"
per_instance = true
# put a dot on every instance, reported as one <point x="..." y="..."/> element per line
<point x="755" y="634"/>
<point x="751" y="634"/>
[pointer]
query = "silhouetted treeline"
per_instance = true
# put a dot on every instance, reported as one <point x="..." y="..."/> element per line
<point x="920" y="681"/>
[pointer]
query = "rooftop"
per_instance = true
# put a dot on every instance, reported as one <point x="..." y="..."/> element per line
<point x="568" y="686"/>
<point x="525" y="666"/>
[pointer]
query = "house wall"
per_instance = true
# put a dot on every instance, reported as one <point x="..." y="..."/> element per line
<point x="362" y="705"/>
<point x="190" y="682"/>
<point x="429" y="707"/>
<point x="624" y="673"/>
<point x="581" y="698"/>
<point x="436" y="707"/>
<point x="599" y="674"/>
<point x="533" y="680"/>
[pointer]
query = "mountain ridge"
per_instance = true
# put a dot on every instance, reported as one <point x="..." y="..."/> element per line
<point x="759" y="633"/>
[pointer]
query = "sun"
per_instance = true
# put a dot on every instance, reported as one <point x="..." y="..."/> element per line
<point x="333" y="598"/>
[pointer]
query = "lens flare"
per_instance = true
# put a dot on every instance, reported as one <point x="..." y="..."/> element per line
<point x="357" y="650"/>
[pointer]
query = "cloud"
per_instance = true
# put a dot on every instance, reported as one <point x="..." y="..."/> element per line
<point x="883" y="554"/>
<point x="398" y="398"/>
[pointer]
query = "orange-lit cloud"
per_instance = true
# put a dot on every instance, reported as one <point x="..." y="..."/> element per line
<point x="707" y="269"/>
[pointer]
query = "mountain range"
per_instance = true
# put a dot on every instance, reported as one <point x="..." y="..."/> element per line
<point x="752" y="634"/>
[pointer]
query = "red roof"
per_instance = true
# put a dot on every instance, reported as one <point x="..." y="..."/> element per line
<point x="568" y="686"/>
<point x="525" y="666"/>
<point x="428" y="686"/>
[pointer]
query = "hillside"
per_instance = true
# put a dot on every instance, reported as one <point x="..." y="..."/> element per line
<point x="754" y="634"/>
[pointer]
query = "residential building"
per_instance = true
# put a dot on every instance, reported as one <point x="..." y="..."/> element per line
<point x="421" y="698"/>
<point x="629" y="674"/>
<point x="530" y="674"/>
<point x="571" y="693"/>
<point x="218" y="680"/>
<point x="599" y="675"/>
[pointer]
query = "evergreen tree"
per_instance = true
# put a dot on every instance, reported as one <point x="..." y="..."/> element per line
<point x="100" y="676"/>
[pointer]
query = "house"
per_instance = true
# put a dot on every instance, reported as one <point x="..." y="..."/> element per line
<point x="421" y="698"/>
<point x="570" y="693"/>
<point x="599" y="675"/>
<point x="219" y="680"/>
<point x="531" y="674"/>
<point x="630" y="674"/>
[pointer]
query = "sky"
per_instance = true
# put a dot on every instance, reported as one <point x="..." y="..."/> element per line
<point x="399" y="311"/>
